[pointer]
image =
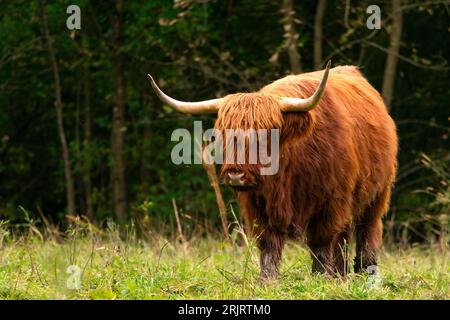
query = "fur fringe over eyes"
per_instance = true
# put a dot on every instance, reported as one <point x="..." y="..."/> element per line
<point x="250" y="111"/>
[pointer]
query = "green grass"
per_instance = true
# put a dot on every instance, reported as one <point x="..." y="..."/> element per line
<point x="31" y="268"/>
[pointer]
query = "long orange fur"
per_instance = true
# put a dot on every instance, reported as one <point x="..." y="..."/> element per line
<point x="337" y="166"/>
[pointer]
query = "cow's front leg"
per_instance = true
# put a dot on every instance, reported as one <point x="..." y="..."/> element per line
<point x="271" y="245"/>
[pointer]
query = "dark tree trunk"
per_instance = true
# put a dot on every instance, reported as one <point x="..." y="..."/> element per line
<point x="70" y="190"/>
<point x="146" y="161"/>
<point x="118" y="126"/>
<point x="318" y="25"/>
<point x="291" y="35"/>
<point x="392" y="58"/>
<point x="87" y="140"/>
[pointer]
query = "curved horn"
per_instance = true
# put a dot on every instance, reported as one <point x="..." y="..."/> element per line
<point x="201" y="107"/>
<point x="303" y="105"/>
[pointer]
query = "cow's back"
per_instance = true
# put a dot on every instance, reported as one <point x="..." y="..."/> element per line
<point x="353" y="146"/>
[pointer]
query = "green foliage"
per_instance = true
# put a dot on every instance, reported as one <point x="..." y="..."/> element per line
<point x="203" y="269"/>
<point x="196" y="50"/>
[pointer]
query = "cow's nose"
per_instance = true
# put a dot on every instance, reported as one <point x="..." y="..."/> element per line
<point x="235" y="179"/>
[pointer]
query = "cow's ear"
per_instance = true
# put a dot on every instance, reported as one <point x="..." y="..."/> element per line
<point x="297" y="125"/>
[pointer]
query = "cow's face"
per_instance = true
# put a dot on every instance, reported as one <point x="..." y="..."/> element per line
<point x="245" y="121"/>
<point x="252" y="126"/>
<point x="257" y="111"/>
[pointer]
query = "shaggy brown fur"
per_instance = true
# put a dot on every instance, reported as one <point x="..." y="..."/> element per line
<point x="337" y="165"/>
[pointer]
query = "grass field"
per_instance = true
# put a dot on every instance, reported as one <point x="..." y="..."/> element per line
<point x="205" y="268"/>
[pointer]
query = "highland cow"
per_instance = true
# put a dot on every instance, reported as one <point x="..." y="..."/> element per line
<point x="337" y="163"/>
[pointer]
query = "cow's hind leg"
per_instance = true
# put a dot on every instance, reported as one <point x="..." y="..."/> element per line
<point x="328" y="235"/>
<point x="341" y="255"/>
<point x="369" y="231"/>
<point x="322" y="255"/>
<point x="329" y="252"/>
<point x="320" y="242"/>
<point x="271" y="245"/>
